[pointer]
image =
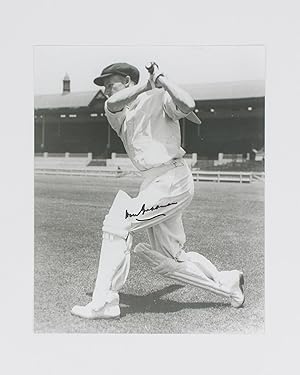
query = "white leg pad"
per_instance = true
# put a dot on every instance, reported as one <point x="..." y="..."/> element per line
<point x="114" y="221"/>
<point x="115" y="252"/>
<point x="207" y="267"/>
<point x="113" y="269"/>
<point x="187" y="272"/>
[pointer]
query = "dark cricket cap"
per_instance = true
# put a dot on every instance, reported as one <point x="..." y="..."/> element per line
<point x="123" y="69"/>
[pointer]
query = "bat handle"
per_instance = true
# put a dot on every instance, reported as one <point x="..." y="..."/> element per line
<point x="150" y="67"/>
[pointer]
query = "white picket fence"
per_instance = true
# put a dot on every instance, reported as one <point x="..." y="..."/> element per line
<point x="218" y="176"/>
<point x="76" y="165"/>
<point x="212" y="176"/>
<point x="85" y="172"/>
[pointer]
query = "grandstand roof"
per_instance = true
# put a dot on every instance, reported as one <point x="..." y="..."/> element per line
<point x="199" y="91"/>
<point x="70" y="100"/>
<point x="226" y="90"/>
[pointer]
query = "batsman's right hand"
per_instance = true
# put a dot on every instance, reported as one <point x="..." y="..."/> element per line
<point x="154" y="72"/>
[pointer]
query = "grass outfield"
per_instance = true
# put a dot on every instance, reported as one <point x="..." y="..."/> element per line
<point x="225" y="222"/>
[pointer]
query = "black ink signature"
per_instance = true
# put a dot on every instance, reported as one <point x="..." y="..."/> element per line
<point x="144" y="209"/>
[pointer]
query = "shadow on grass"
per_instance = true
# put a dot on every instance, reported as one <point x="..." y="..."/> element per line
<point x="152" y="303"/>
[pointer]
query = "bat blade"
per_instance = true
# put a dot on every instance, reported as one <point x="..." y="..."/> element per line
<point x="194" y="118"/>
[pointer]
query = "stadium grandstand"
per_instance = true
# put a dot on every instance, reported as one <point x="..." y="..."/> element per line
<point x="232" y="115"/>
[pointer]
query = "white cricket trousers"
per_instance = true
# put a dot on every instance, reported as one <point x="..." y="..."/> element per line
<point x="165" y="192"/>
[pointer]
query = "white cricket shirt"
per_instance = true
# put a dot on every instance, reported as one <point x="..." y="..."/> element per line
<point x="149" y="129"/>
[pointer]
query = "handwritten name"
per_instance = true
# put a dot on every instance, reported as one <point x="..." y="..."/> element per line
<point x="143" y="210"/>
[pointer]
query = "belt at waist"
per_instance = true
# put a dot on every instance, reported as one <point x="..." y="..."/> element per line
<point x="163" y="168"/>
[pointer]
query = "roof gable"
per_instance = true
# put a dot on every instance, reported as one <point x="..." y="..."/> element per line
<point x="70" y="100"/>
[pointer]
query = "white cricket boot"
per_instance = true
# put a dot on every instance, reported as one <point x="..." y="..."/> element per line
<point x="111" y="310"/>
<point x="234" y="281"/>
<point x="87" y="312"/>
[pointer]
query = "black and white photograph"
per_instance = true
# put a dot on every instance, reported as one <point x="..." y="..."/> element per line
<point x="149" y="189"/>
